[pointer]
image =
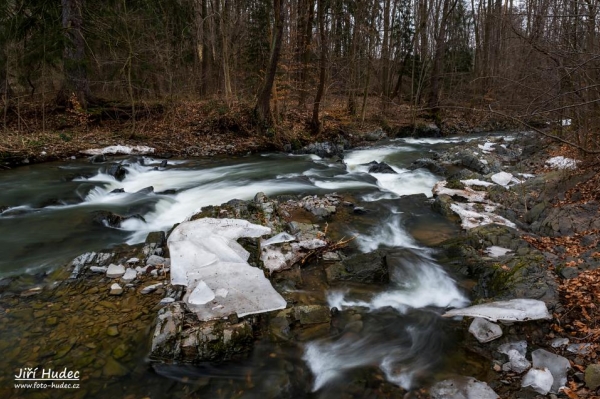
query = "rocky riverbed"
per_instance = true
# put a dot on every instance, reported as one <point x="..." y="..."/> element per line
<point x="110" y="309"/>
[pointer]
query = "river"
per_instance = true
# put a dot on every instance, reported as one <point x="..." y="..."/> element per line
<point x="49" y="217"/>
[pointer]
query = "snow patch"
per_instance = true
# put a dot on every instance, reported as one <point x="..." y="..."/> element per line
<point x="120" y="149"/>
<point x="468" y="193"/>
<point x="561" y="162"/>
<point x="496" y="252"/>
<point x="471" y="218"/>
<point x="476" y="182"/>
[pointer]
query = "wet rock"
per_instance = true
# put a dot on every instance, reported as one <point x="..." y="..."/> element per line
<point x="113" y="368"/>
<point x="150" y="288"/>
<point x="112" y="331"/>
<point x="312" y="314"/>
<point x="147" y="190"/>
<point x="380" y="167"/>
<point x="98" y="158"/>
<point x="117" y="171"/>
<point x="98" y="269"/>
<point x="192" y="341"/>
<point x="471" y="161"/>
<point x="592" y="376"/>
<point x="360" y="268"/>
<point x="116" y="289"/>
<point x="130" y="275"/>
<point x="540" y="380"/>
<point x="557" y="365"/>
<point x="164" y="163"/>
<point x="429" y="164"/>
<point x="462" y="388"/>
<point x="115" y="271"/>
<point x="79" y="262"/>
<point x="323" y="150"/>
<point x="375" y="135"/>
<point x="484" y="331"/>
<point x="442" y="205"/>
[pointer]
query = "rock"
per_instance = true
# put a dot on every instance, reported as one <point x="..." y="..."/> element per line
<point x="112" y="331"/>
<point x="155" y="260"/>
<point x="471" y="161"/>
<point x="462" y="388"/>
<point x="164" y="163"/>
<point x="132" y="261"/>
<point x="130" y="275"/>
<point x="115" y="271"/>
<point x="484" y="331"/>
<point x="150" y="288"/>
<point x="557" y="365"/>
<point x="375" y="135"/>
<point x="117" y="171"/>
<point x="360" y="268"/>
<point x="380" y="167"/>
<point x="166" y="301"/>
<point x="116" y="289"/>
<point x="79" y="262"/>
<point x="331" y="257"/>
<point x="429" y="164"/>
<point x="98" y="158"/>
<point x="98" y="269"/>
<point x="442" y="205"/>
<point x="312" y="314"/>
<point x="323" y="150"/>
<point x="513" y="310"/>
<point x="146" y="190"/>
<point x="540" y="380"/>
<point x="113" y="368"/>
<point x="516" y="362"/>
<point x="592" y="376"/>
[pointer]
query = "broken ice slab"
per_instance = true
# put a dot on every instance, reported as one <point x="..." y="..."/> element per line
<point x="206" y="258"/>
<point x="516" y="362"/>
<point x="557" y="365"/>
<point x="278" y="239"/>
<point x="513" y="310"/>
<point x="519" y="346"/>
<point x="580" y="349"/>
<point x="462" y="388"/>
<point x="539" y="380"/>
<point x="502" y="178"/>
<point x="484" y="331"/>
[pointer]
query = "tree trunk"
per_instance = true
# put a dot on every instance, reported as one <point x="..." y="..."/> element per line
<point x="262" y="110"/>
<point x="321" y="9"/>
<point x="74" y="69"/>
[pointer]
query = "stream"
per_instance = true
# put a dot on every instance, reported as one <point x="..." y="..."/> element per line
<point x="49" y="216"/>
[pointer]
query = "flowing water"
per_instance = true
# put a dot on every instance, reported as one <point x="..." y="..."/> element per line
<point x="49" y="217"/>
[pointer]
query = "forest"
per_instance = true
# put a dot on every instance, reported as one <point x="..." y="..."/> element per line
<point x="531" y="62"/>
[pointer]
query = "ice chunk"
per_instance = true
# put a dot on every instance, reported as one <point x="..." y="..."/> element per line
<point x="513" y="310"/>
<point x="476" y="182"/>
<point x="540" y="381"/>
<point x="516" y="362"/>
<point x="206" y="258"/>
<point x="487" y="147"/>
<point x="462" y="388"/>
<point x="558" y="342"/>
<point x="561" y="162"/>
<point x="484" y="330"/>
<point x="471" y="218"/>
<point x="557" y="365"/>
<point x="502" y="178"/>
<point x="519" y="346"/>
<point x="496" y="252"/>
<point x="201" y="294"/>
<point x="580" y="349"/>
<point x="468" y="193"/>
<point x="278" y="239"/>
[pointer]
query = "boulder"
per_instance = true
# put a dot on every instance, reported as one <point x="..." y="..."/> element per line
<point x="472" y="162"/>
<point x="429" y="164"/>
<point x="323" y="150"/>
<point x="592" y="376"/>
<point x="360" y="268"/>
<point x="117" y="171"/>
<point x="380" y="167"/>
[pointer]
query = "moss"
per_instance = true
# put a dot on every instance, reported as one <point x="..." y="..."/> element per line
<point x="455" y="184"/>
<point x="503" y="278"/>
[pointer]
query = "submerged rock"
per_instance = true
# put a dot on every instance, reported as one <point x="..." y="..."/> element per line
<point x="462" y="388"/>
<point x="361" y="268"/>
